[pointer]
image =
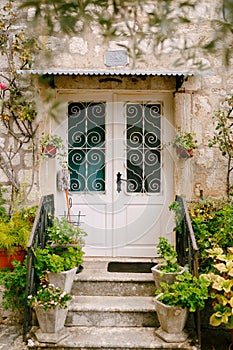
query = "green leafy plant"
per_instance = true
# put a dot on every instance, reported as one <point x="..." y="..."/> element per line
<point x="185" y="140"/>
<point x="221" y="287"/>
<point x="15" y="232"/>
<point x="169" y="256"/>
<point x="2" y="202"/>
<point x="57" y="145"/>
<point x="62" y="232"/>
<point x="14" y="283"/>
<point x="223" y="138"/>
<point x="212" y="222"/>
<point x="49" y="297"/>
<point x="55" y="260"/>
<point x="187" y="291"/>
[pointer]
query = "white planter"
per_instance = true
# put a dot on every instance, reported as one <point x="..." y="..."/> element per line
<point x="167" y="277"/>
<point x="51" y="324"/>
<point x="172" y="321"/>
<point x="63" y="280"/>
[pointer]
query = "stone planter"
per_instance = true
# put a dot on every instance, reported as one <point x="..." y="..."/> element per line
<point x="172" y="321"/>
<point x="63" y="280"/>
<point x="51" y="324"/>
<point x="167" y="277"/>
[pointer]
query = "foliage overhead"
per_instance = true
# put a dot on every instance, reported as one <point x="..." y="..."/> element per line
<point x="144" y="23"/>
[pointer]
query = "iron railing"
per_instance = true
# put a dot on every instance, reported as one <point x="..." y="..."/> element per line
<point x="44" y="216"/>
<point x="187" y="248"/>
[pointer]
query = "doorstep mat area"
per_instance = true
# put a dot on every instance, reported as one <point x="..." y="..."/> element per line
<point x="135" y="267"/>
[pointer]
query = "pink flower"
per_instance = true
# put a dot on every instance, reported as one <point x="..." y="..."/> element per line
<point x="3" y="86"/>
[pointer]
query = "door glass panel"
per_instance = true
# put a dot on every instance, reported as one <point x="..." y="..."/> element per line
<point x="86" y="148"/>
<point x="143" y="147"/>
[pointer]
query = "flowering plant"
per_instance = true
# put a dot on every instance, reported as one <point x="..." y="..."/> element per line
<point x="49" y="297"/>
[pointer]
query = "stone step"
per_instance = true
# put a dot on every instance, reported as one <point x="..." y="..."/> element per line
<point x="112" y="311"/>
<point x="102" y="282"/>
<point x="112" y="338"/>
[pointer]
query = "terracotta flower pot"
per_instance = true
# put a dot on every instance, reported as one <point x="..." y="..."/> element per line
<point x="183" y="153"/>
<point x="49" y="151"/>
<point x="6" y="258"/>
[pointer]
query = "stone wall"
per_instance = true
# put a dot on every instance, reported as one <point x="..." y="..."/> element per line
<point x="194" y="103"/>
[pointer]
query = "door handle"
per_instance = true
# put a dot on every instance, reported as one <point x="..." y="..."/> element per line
<point x="119" y="182"/>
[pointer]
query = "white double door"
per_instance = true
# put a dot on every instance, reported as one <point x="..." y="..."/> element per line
<point x="122" y="219"/>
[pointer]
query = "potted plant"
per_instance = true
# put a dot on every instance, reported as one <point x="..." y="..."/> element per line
<point x="175" y="301"/>
<point x="51" y="306"/>
<point x="64" y="233"/>
<point x="14" y="235"/>
<point x="185" y="143"/>
<point x="169" y="268"/>
<point x="221" y="288"/>
<point x="52" y="145"/>
<point x="60" y="266"/>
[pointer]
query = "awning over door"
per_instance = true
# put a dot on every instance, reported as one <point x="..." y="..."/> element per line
<point x="112" y="72"/>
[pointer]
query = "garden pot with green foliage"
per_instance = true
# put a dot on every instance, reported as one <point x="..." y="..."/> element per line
<point x="173" y="303"/>
<point x="221" y="287"/>
<point x="59" y="265"/>
<point x="185" y="143"/>
<point x="169" y="268"/>
<point x="14" y="236"/>
<point x="51" y="306"/>
<point x="52" y="145"/>
<point x="63" y="233"/>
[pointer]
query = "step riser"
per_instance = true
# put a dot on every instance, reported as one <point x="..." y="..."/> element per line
<point x="112" y="319"/>
<point x="168" y="347"/>
<point x="113" y="288"/>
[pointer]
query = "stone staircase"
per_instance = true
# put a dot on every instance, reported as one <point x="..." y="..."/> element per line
<point x="111" y="311"/>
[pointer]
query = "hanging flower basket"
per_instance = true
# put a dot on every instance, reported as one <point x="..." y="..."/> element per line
<point x="184" y="153"/>
<point x="52" y="146"/>
<point x="49" y="151"/>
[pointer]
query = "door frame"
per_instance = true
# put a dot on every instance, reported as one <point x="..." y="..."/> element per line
<point x="111" y="96"/>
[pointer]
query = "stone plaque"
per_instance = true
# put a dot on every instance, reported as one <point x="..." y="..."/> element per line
<point x="116" y="58"/>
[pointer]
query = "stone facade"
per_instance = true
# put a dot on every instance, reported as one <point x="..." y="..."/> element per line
<point x="194" y="103"/>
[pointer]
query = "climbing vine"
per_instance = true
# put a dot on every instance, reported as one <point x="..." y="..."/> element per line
<point x="17" y="100"/>
<point x="223" y="138"/>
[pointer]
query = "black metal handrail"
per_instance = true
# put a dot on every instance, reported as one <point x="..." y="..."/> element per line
<point x="186" y="245"/>
<point x="44" y="216"/>
<point x="187" y="248"/>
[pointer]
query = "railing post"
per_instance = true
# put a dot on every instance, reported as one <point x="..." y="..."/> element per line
<point x="187" y="249"/>
<point x="43" y="219"/>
